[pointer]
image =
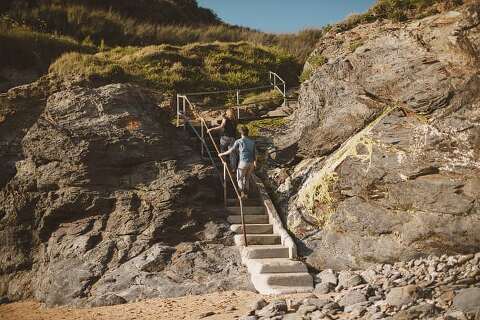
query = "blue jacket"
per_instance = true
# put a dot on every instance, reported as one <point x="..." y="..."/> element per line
<point x="246" y="149"/>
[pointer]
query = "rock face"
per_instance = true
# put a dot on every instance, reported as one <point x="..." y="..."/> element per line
<point x="388" y="133"/>
<point x="102" y="201"/>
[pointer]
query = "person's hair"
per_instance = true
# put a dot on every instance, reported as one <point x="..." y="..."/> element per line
<point x="230" y="114"/>
<point x="243" y="130"/>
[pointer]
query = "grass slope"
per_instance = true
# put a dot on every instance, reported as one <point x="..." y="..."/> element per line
<point x="181" y="68"/>
<point x="144" y="22"/>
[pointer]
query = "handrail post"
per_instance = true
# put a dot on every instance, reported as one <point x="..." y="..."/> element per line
<point x="184" y="113"/>
<point x="238" y="104"/>
<point x="243" y="223"/>
<point x="203" y="139"/>
<point x="178" y="111"/>
<point x="225" y="185"/>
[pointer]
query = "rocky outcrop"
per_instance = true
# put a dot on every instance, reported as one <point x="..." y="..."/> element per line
<point x="102" y="201"/>
<point x="387" y="137"/>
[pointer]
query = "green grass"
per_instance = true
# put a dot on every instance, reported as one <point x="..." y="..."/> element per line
<point x="269" y="98"/>
<point x="255" y="127"/>
<point x="181" y="68"/>
<point x="314" y="62"/>
<point x="89" y="67"/>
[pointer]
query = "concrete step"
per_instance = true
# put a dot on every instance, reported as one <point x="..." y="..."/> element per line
<point x="249" y="219"/>
<point x="265" y="252"/>
<point x="275" y="265"/>
<point x="253" y="239"/>
<point x="252" y="202"/>
<point x="252" y="228"/>
<point x="247" y="210"/>
<point x="282" y="283"/>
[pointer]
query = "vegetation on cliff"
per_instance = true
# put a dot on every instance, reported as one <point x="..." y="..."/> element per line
<point x="179" y="68"/>
<point x="146" y="22"/>
<point x="398" y="10"/>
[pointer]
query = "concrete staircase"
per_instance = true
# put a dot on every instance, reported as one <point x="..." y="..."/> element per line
<point x="270" y="259"/>
<point x="271" y="253"/>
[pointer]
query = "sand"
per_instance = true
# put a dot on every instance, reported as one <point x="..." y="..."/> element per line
<point x="225" y="305"/>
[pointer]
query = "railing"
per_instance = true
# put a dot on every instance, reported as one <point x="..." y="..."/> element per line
<point x="276" y="83"/>
<point x="226" y="171"/>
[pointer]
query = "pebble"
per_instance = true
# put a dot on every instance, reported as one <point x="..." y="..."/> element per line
<point x="430" y="287"/>
<point x="323" y="288"/>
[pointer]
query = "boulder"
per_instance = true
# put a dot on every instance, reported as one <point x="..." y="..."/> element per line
<point x="468" y="301"/>
<point x="351" y="298"/>
<point x="306" y="309"/>
<point x="323" y="288"/>
<point x="274" y="308"/>
<point x="328" y="276"/>
<point x="401" y="296"/>
<point x="422" y="311"/>
<point x="319" y="303"/>
<point x="259" y="304"/>
<point x="347" y="279"/>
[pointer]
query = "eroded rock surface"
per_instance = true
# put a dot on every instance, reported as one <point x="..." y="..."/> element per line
<point x="388" y="133"/>
<point x="102" y="201"/>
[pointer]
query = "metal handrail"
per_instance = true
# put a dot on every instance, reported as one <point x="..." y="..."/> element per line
<point x="206" y="147"/>
<point x="273" y="80"/>
<point x="201" y="93"/>
<point x="245" y="106"/>
<point x="226" y="171"/>
<point x="273" y="84"/>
